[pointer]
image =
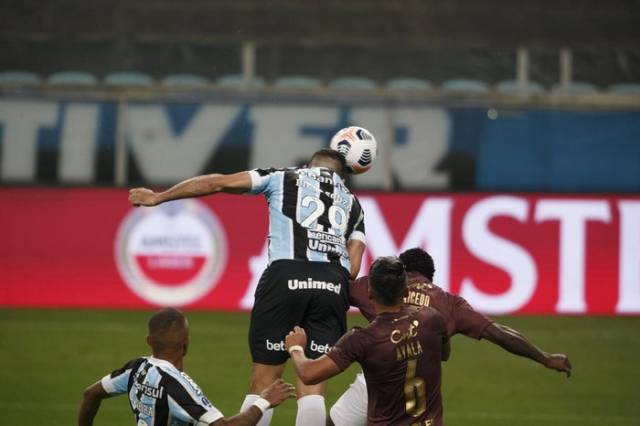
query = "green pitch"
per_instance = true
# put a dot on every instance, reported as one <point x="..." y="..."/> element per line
<point x="47" y="357"/>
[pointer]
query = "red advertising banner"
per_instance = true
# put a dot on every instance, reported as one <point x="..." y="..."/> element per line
<point x="505" y="253"/>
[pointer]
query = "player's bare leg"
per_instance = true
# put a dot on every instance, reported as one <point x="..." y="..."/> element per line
<point x="311" y="407"/>
<point x="260" y="376"/>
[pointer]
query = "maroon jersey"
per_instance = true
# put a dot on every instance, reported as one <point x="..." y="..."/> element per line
<point x="459" y="316"/>
<point x="400" y="355"/>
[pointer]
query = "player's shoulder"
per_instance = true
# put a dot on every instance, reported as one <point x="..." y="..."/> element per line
<point x="132" y="364"/>
<point x="263" y="172"/>
<point x="431" y="316"/>
<point x="361" y="281"/>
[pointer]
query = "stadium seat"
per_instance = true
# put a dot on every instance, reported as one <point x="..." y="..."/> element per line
<point x="128" y="78"/>
<point x="184" y="80"/>
<point x="353" y="83"/>
<point x="575" y="88"/>
<point x="625" y="89"/>
<point x="237" y="81"/>
<point x="297" y="81"/>
<point x="408" y="84"/>
<point x="514" y="86"/>
<point x="19" y="77"/>
<point x="72" y="78"/>
<point x="465" y="85"/>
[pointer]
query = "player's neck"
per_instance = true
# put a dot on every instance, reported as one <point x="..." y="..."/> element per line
<point x="172" y="357"/>
<point x="384" y="309"/>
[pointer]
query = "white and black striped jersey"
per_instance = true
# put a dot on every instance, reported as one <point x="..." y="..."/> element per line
<point x="312" y="214"/>
<point x="160" y="394"/>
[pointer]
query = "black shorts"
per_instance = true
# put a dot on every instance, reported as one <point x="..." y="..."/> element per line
<point x="312" y="295"/>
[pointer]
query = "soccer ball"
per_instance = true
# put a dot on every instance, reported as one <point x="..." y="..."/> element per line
<point x="358" y="146"/>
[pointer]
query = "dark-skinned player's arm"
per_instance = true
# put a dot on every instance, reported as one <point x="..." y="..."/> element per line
<point x="198" y="186"/>
<point x="310" y="371"/>
<point x="355" y="248"/>
<point x="275" y="394"/>
<point x="514" y="342"/>
<point x="446" y="347"/>
<point x="91" y="399"/>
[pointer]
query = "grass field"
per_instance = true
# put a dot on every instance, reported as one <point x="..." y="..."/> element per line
<point x="49" y="356"/>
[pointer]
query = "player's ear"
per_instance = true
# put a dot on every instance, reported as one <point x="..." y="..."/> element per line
<point x="185" y="345"/>
<point x="148" y="340"/>
<point x="369" y="293"/>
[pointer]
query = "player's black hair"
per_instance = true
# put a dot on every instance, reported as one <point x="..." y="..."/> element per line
<point x="418" y="260"/>
<point x="167" y="329"/>
<point x="388" y="280"/>
<point x="334" y="156"/>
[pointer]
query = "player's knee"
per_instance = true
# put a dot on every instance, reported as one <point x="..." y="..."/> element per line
<point x="262" y="376"/>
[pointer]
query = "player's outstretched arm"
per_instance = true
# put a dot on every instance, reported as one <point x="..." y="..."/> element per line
<point x="198" y="186"/>
<point x="91" y="399"/>
<point x="514" y="342"/>
<point x="355" y="248"/>
<point x="309" y="371"/>
<point x="446" y="348"/>
<point x="271" y="397"/>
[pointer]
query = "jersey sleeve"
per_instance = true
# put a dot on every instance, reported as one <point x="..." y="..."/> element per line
<point x="349" y="349"/>
<point x="359" y="297"/>
<point x="261" y="180"/>
<point x="355" y="228"/>
<point x="467" y="320"/>
<point x="187" y="402"/>
<point x="116" y="383"/>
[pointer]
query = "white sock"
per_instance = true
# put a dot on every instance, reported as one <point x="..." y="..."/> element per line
<point x="311" y="411"/>
<point x="265" y="420"/>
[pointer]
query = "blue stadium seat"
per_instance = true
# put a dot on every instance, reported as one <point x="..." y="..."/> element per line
<point x="19" y="78"/>
<point x="184" y="80"/>
<point x="625" y="89"/>
<point x="237" y="81"/>
<point x="353" y="83"/>
<point x="465" y="85"/>
<point x="575" y="88"/>
<point x="72" y="78"/>
<point x="514" y="86"/>
<point x="128" y="78"/>
<point x="298" y="82"/>
<point x="408" y="84"/>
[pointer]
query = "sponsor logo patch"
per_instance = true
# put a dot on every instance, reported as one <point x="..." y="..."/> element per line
<point x="172" y="254"/>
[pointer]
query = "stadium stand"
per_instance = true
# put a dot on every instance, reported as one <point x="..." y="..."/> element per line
<point x="184" y="80"/>
<point x="625" y="89"/>
<point x="19" y="78"/>
<point x="352" y="83"/>
<point x="297" y="81"/>
<point x="238" y="81"/>
<point x="128" y="78"/>
<point x="513" y="86"/>
<point x="408" y="84"/>
<point x="575" y="88"/>
<point x="79" y="78"/>
<point x="151" y="37"/>
<point x="465" y="85"/>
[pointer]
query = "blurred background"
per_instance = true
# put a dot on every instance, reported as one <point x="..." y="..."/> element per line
<point x="509" y="148"/>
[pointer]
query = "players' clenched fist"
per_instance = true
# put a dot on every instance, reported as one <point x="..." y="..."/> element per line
<point x="278" y="391"/>
<point x="559" y="362"/>
<point x="297" y="337"/>
<point x="142" y="197"/>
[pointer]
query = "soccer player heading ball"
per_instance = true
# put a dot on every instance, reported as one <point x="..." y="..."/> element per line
<point x="316" y="242"/>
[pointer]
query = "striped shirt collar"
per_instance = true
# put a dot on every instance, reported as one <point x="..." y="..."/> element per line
<point x="161" y="362"/>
